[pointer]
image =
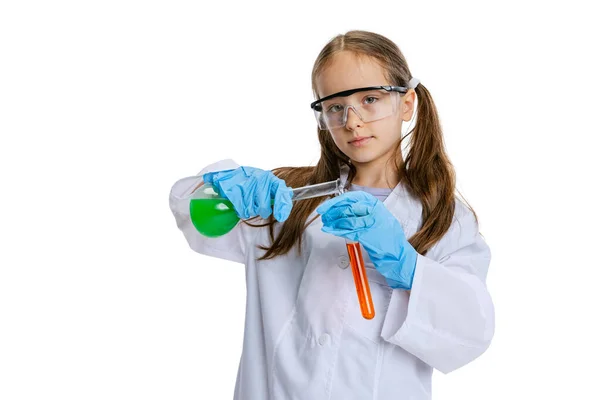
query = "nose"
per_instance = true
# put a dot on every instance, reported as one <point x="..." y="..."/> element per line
<point x="352" y="119"/>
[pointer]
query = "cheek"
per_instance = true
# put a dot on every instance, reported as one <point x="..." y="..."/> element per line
<point x="338" y="137"/>
<point x="388" y="130"/>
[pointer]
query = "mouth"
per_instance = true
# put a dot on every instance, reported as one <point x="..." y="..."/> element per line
<point x="360" y="140"/>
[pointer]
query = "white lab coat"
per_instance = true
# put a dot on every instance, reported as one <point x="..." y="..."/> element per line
<point x="305" y="337"/>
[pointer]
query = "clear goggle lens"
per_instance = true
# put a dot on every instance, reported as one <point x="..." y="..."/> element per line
<point x="369" y="106"/>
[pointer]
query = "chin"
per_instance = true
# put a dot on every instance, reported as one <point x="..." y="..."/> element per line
<point x="361" y="156"/>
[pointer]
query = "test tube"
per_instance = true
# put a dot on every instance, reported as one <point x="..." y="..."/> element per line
<point x="363" y="291"/>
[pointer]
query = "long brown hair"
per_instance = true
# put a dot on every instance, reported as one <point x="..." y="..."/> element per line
<point x="427" y="170"/>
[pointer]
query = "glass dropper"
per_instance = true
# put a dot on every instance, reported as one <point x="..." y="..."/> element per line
<point x="317" y="190"/>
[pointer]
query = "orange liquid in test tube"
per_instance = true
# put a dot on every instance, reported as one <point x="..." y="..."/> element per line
<point x="360" y="280"/>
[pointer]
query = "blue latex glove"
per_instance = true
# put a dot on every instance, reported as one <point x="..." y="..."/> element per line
<point x="359" y="216"/>
<point x="252" y="191"/>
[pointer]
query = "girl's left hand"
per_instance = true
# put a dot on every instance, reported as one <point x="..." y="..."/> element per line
<point x="359" y="216"/>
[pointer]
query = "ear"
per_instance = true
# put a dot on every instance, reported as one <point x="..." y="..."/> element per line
<point x="407" y="104"/>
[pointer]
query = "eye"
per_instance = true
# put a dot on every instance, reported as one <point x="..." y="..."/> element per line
<point x="370" y="99"/>
<point x="334" y="108"/>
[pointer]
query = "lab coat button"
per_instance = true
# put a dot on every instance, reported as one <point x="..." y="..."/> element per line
<point x="343" y="262"/>
<point x="324" y="339"/>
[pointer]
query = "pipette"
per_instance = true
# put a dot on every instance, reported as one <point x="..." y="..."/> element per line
<point x="214" y="216"/>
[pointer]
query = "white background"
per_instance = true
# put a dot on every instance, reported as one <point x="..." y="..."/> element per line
<point x="104" y="105"/>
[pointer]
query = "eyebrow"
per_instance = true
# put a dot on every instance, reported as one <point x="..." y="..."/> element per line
<point x="346" y="93"/>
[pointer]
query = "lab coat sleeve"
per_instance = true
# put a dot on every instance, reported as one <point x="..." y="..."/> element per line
<point x="450" y="319"/>
<point x="231" y="246"/>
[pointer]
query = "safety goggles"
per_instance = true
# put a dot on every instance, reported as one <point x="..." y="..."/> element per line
<point x="368" y="103"/>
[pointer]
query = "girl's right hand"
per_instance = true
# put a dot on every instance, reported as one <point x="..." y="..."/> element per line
<point x="253" y="191"/>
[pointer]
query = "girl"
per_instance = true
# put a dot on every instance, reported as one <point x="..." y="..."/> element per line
<point x="426" y="263"/>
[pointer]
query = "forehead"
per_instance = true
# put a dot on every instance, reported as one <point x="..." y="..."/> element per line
<point x="347" y="71"/>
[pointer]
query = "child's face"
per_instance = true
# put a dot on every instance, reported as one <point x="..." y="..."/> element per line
<point x="346" y="72"/>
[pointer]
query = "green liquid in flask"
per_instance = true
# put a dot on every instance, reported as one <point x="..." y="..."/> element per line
<point x="213" y="217"/>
